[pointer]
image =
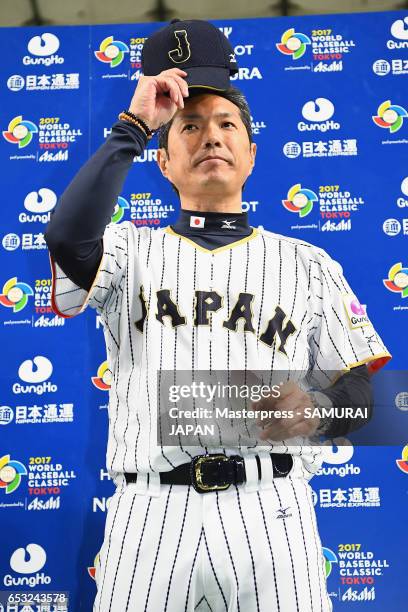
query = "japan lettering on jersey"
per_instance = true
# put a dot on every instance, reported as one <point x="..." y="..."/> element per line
<point x="266" y="302"/>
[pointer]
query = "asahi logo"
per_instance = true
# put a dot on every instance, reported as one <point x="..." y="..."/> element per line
<point x="332" y="226"/>
<point x="354" y="595"/>
<point x="52" y="503"/>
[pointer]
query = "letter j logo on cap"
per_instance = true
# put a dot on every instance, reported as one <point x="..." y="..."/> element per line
<point x="182" y="52"/>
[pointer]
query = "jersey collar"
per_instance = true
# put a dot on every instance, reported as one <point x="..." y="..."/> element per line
<point x="195" y="223"/>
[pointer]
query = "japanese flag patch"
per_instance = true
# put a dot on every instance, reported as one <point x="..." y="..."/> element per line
<point x="197" y="221"/>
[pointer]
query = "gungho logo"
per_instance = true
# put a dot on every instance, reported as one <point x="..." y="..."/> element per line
<point x="39" y="204"/>
<point x="318" y="112"/>
<point x="356" y="312"/>
<point x="403" y="202"/>
<point x="36" y="373"/>
<point x="28" y="561"/>
<point x="44" y="48"/>
<point x="337" y="452"/>
<point x="399" y="30"/>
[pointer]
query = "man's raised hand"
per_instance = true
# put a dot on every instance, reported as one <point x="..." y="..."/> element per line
<point x="157" y="98"/>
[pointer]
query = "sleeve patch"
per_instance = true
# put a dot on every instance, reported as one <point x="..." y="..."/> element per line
<point x="356" y="312"/>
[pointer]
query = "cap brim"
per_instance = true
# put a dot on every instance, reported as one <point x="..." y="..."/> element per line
<point x="208" y="77"/>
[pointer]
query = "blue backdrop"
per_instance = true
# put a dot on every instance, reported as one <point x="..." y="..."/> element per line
<point x="329" y="100"/>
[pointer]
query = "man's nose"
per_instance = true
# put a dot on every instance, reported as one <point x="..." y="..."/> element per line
<point x="211" y="137"/>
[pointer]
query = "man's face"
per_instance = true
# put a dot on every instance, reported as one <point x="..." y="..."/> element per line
<point x="208" y="148"/>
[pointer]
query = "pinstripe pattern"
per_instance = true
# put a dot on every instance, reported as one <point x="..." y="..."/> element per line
<point x="226" y="551"/>
<point x="270" y="267"/>
<point x="239" y="550"/>
<point x="248" y="541"/>
<point x="170" y="464"/>
<point x="295" y="587"/>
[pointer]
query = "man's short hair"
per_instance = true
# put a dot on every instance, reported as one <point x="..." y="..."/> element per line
<point x="232" y="94"/>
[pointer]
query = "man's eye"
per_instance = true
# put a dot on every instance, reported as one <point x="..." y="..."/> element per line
<point x="228" y="123"/>
<point x="188" y="127"/>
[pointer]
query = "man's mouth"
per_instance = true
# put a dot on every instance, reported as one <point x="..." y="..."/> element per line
<point x="212" y="157"/>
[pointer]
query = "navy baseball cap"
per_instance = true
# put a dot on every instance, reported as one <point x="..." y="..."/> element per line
<point x="197" y="47"/>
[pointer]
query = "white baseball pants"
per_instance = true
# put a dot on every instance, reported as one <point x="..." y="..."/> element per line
<point x="250" y="548"/>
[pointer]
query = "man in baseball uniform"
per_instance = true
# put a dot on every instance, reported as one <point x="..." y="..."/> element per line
<point x="192" y="527"/>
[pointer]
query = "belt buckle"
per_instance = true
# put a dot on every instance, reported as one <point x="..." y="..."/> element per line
<point x="197" y="477"/>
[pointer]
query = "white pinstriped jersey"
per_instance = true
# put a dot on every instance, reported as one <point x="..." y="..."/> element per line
<point x="276" y="302"/>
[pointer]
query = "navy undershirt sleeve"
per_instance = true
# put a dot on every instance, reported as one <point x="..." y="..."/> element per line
<point x="352" y="389"/>
<point x="77" y="223"/>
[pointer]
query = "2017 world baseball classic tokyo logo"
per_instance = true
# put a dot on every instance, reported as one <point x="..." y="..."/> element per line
<point x="397" y="280"/>
<point x="403" y="462"/>
<point x="103" y="379"/>
<point x="20" y="131"/>
<point x="119" y="210"/>
<point x="390" y="116"/>
<point x="15" y="294"/>
<point x="10" y="473"/>
<point x="300" y="200"/>
<point x="293" y="43"/>
<point x="111" y="51"/>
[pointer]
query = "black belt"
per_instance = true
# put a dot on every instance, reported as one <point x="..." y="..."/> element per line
<point x="217" y="472"/>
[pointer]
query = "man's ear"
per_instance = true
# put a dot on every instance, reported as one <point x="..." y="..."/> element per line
<point x="162" y="159"/>
<point x="253" y="149"/>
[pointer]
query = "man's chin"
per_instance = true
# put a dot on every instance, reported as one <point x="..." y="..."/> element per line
<point x="215" y="177"/>
<point x="215" y="184"/>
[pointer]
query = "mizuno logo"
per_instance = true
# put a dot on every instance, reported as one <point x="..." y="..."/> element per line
<point x="227" y="224"/>
<point x="282" y="513"/>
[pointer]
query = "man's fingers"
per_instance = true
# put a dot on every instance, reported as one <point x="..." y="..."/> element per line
<point x="295" y="402"/>
<point x="288" y="388"/>
<point x="182" y="84"/>
<point x="180" y="88"/>
<point x="173" y="71"/>
<point x="290" y="403"/>
<point x="169" y="84"/>
<point x="179" y="76"/>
